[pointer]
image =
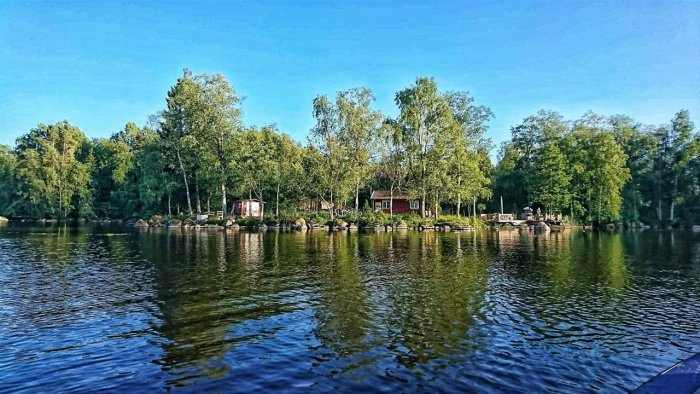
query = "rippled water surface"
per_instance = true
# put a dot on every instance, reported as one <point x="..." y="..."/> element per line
<point x="113" y="308"/>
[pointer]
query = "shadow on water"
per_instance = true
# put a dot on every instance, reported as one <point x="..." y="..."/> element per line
<point x="121" y="309"/>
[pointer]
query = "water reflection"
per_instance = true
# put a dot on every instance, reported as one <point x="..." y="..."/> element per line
<point x="405" y="311"/>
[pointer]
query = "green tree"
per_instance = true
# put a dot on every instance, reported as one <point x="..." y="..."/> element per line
<point x="254" y="161"/>
<point x="325" y="136"/>
<point x="215" y="120"/>
<point x="508" y="179"/>
<point x="679" y="152"/>
<point x="599" y="170"/>
<point x="8" y="168"/>
<point x="424" y="117"/>
<point x="358" y="125"/>
<point x="549" y="180"/>
<point x="465" y="139"/>
<point x="640" y="148"/>
<point x="175" y="127"/>
<point x="53" y="180"/>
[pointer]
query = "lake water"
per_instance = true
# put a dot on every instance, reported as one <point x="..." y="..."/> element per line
<point x="119" y="309"/>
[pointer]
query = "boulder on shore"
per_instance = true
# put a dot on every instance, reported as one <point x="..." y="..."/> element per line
<point x="141" y="223"/>
<point x="542" y="226"/>
<point x="3" y="219"/>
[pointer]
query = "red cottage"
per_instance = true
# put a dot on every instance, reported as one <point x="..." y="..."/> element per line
<point x="381" y="199"/>
<point x="249" y="207"/>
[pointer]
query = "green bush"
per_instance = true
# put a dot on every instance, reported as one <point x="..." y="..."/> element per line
<point x="318" y="217"/>
<point x="183" y="217"/>
<point x="352" y="217"/>
<point x="372" y="219"/>
<point x="411" y="219"/>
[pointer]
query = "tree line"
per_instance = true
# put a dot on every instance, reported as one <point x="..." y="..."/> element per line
<point x="198" y="155"/>
<point x="602" y="169"/>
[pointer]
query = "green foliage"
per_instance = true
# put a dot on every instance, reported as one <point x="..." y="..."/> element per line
<point x="372" y="219"/>
<point x="607" y="168"/>
<point x="53" y="172"/>
<point x="318" y="218"/>
<point x="197" y="155"/>
<point x="442" y="135"/>
<point x="8" y="181"/>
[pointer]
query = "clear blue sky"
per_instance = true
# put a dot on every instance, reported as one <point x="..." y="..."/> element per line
<point x="100" y="64"/>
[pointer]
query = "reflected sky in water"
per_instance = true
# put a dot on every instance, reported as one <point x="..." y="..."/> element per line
<point x="113" y="308"/>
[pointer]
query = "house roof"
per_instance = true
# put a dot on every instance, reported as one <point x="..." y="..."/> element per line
<point x="386" y="195"/>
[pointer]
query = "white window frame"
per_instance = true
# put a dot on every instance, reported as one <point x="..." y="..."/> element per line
<point x="386" y="204"/>
<point x="415" y="204"/>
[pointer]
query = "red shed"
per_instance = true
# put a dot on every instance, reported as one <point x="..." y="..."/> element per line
<point x="381" y="200"/>
<point x="249" y="207"/>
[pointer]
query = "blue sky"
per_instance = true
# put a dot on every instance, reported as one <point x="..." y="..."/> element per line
<point x="100" y="64"/>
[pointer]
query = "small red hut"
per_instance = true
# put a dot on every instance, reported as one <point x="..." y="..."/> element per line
<point x="249" y="207"/>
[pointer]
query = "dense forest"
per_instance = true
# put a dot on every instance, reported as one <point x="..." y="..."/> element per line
<point x="198" y="155"/>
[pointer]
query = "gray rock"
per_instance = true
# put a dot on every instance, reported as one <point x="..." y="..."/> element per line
<point x="542" y="226"/>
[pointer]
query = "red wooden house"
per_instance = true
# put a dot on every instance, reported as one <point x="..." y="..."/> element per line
<point x="381" y="200"/>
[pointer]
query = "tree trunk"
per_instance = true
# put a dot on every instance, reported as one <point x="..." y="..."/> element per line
<point x="170" y="211"/>
<point x="422" y="204"/>
<point x="277" y="201"/>
<point x="459" y="204"/>
<point x="672" y="207"/>
<point x="330" y="209"/>
<point x="600" y="207"/>
<point x="474" y="210"/>
<point x="184" y="178"/>
<point x="196" y="190"/>
<point x="357" y="197"/>
<point x="436" y="207"/>
<point x="222" y="170"/>
<point x="391" y="202"/>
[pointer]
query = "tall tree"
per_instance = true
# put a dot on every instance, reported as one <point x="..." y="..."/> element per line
<point x="8" y="168"/>
<point x="640" y="148"/>
<point x="53" y="178"/>
<point x="599" y="169"/>
<point x="325" y="137"/>
<point x="358" y="125"/>
<point x="424" y="118"/>
<point x="175" y="127"/>
<point x="469" y="122"/>
<point x="549" y="180"/>
<point x="679" y="151"/>
<point x="216" y="120"/>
